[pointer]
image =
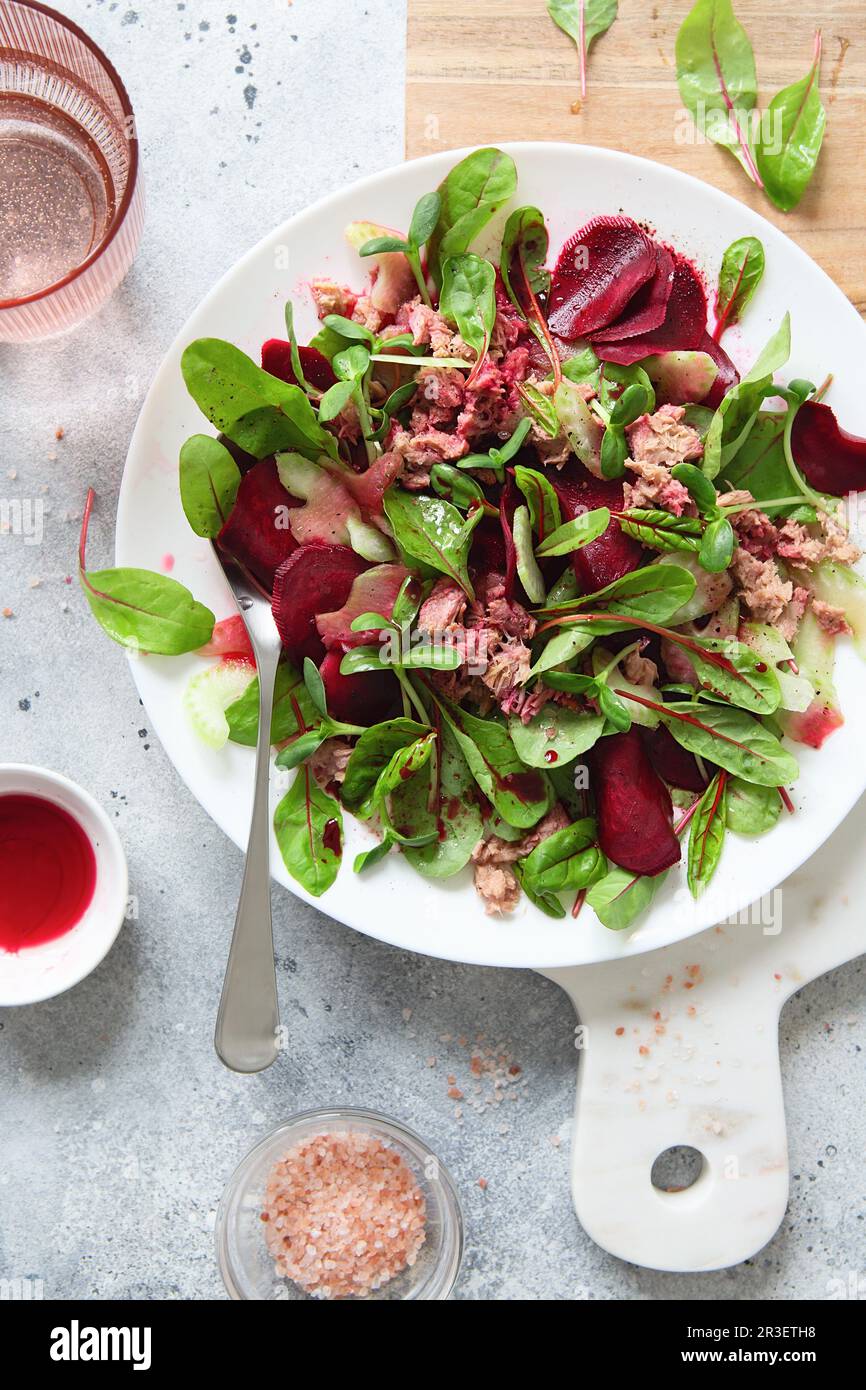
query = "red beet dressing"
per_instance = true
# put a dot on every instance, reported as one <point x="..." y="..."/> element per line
<point x="47" y="872"/>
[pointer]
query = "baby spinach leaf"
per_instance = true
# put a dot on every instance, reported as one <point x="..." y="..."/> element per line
<point x="433" y="531"/>
<point x="555" y="736"/>
<point x="541" y="499"/>
<point x="209" y="482"/>
<point x="561" y="648"/>
<point x="732" y="739"/>
<point x="520" y="794"/>
<point x="468" y="299"/>
<point x="653" y="593"/>
<point x="372" y="754"/>
<point x="568" y="859"/>
<point x="524" y="275"/>
<point x="453" y="827"/>
<point x="583" y="21"/>
<point x="659" y="530"/>
<point x="734" y="672"/>
<point x="369" y="857"/>
<point x="760" y="464"/>
<point x="290" y="700"/>
<point x="548" y="903"/>
<point x="456" y="486"/>
<point x="471" y="193"/>
<point x="254" y="409"/>
<point x="575" y="534"/>
<point x="751" y="810"/>
<point x="717" y="79"/>
<point x="308" y="825"/>
<point x="527" y="567"/>
<point x="741" y="272"/>
<point x="794" y="124"/>
<point x="621" y="896"/>
<point x="707" y="835"/>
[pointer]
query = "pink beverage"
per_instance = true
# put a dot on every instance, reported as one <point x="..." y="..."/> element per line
<point x="71" y="200"/>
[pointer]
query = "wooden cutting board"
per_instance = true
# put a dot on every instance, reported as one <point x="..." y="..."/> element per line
<point x="484" y="71"/>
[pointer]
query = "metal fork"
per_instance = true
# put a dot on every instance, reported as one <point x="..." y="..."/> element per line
<point x="246" y="1036"/>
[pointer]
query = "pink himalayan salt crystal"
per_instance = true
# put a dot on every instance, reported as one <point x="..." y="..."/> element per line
<point x="343" y="1215"/>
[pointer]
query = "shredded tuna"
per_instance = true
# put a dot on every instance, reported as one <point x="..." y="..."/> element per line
<point x="756" y="533"/>
<point x="367" y="314"/>
<point x="831" y="619"/>
<point x="508" y="667"/>
<point x="655" y="488"/>
<point x="443" y="608"/>
<point x="739" y="497"/>
<point x="331" y="298"/>
<point x="430" y="329"/>
<point x="763" y="590"/>
<point x="494" y="879"/>
<point x="639" y="669"/>
<point x="793" y="614"/>
<point x="497" y="887"/>
<point x="329" y="762"/>
<point x="840" y="548"/>
<point x="421" y="451"/>
<point x="663" y="438"/>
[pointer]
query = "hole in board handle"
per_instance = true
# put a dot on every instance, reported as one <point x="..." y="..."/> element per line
<point x="677" y="1169"/>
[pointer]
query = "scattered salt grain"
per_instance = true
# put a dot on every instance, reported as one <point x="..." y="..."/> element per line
<point x="343" y="1215"/>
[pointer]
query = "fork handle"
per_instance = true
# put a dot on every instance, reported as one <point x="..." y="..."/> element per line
<point x="247" y="1027"/>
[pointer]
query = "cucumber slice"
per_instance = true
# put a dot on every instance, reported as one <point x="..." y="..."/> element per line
<point x="209" y="695"/>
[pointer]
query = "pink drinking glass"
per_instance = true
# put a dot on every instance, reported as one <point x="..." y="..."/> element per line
<point x="71" y="196"/>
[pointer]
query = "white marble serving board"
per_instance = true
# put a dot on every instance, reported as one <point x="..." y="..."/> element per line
<point x="680" y="1047"/>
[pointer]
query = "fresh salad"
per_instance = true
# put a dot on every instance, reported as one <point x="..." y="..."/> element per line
<point x="557" y="588"/>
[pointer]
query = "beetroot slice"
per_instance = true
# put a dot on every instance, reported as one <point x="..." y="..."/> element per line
<point x="727" y="377"/>
<point x="598" y="271"/>
<point x="277" y="359"/>
<point x="256" y="534"/>
<point x="317" y="577"/>
<point x="673" y="763"/>
<point x="613" y="554"/>
<point x="633" y="806"/>
<point x="831" y="459"/>
<point x="648" y="307"/>
<point x="365" y="698"/>
<point x="487" y="552"/>
<point x="684" y="325"/>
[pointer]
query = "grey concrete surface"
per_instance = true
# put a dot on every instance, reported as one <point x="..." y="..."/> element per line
<point x="118" y="1126"/>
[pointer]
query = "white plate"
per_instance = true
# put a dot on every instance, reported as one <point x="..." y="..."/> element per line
<point x="570" y="183"/>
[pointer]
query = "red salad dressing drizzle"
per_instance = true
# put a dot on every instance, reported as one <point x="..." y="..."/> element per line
<point x="47" y="871"/>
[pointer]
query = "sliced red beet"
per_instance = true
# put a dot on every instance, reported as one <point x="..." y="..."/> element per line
<point x="598" y="271"/>
<point x="673" y="763"/>
<point x="365" y="698"/>
<point x="488" y="548"/>
<point x="633" y="806"/>
<point x="613" y="554"/>
<point x="375" y="592"/>
<point x="727" y="377"/>
<point x="648" y="307"/>
<point x="684" y="326"/>
<point x="256" y="533"/>
<point x="277" y="359"/>
<point x="316" y="578"/>
<point x="831" y="459"/>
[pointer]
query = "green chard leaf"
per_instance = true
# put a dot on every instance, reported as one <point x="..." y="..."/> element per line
<point x="541" y="499"/>
<point x="738" y="411"/>
<point x="792" y="131"/>
<point x="717" y="79"/>
<point x="147" y="612"/>
<point x="732" y="739"/>
<point x="373" y="753"/>
<point x="583" y="21"/>
<point x="659" y="530"/>
<point x="654" y="593"/>
<point x="555" y="736"/>
<point x="470" y="195"/>
<point x="740" y="274"/>
<point x="257" y="411"/>
<point x="527" y="567"/>
<point x="308" y="825"/>
<point x="209" y="482"/>
<point x="453" y="827"/>
<point x="290" y="700"/>
<point x="707" y="835"/>
<point x="520" y="794"/>
<point x="433" y="531"/>
<point x="575" y="534"/>
<point x="568" y="859"/>
<point x="621" y="896"/>
<point x="751" y="810"/>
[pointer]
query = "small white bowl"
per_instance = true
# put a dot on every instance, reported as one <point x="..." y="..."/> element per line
<point x="40" y="972"/>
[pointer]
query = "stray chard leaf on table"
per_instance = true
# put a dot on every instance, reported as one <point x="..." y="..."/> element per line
<point x="143" y="611"/>
<point x="257" y="411"/>
<point x="717" y="78"/>
<point x="308" y="825"/>
<point x="209" y="482"/>
<point x="740" y="274"/>
<point x="788" y="149"/>
<point x="583" y="21"/>
<point x="433" y="531"/>
<point x="707" y="834"/>
<point x="470" y="195"/>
